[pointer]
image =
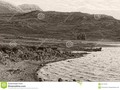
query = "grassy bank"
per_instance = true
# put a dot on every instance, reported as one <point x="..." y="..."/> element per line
<point x="19" y="63"/>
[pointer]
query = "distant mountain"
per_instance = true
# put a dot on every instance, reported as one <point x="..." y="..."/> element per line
<point x="29" y="7"/>
<point x="6" y="7"/>
<point x="63" y="25"/>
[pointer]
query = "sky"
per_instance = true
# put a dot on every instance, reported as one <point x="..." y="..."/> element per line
<point x="109" y="7"/>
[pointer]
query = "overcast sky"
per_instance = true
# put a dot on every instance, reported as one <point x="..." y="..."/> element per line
<point x="110" y="7"/>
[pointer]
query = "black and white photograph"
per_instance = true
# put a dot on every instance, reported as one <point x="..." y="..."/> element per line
<point x="60" y="40"/>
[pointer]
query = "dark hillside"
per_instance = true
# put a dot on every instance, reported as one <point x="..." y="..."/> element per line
<point x="61" y="25"/>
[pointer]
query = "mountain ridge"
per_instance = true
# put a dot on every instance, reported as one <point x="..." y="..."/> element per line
<point x="6" y="7"/>
<point x="31" y="19"/>
<point x="29" y="7"/>
<point x="63" y="25"/>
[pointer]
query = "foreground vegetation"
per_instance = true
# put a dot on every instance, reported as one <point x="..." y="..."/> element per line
<point x="20" y="58"/>
<point x="34" y="53"/>
<point x="21" y="62"/>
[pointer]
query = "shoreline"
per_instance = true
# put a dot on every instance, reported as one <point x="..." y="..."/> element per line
<point x="97" y="66"/>
<point x="14" y="68"/>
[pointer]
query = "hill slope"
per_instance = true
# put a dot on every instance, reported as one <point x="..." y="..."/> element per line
<point x="63" y="25"/>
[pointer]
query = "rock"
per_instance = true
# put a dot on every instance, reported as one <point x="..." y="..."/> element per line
<point x="74" y="80"/>
<point x="40" y="79"/>
<point x="60" y="80"/>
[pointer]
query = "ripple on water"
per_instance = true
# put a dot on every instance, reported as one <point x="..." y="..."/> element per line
<point x="97" y="66"/>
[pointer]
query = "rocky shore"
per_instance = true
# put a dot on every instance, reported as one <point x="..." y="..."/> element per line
<point x="21" y="63"/>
